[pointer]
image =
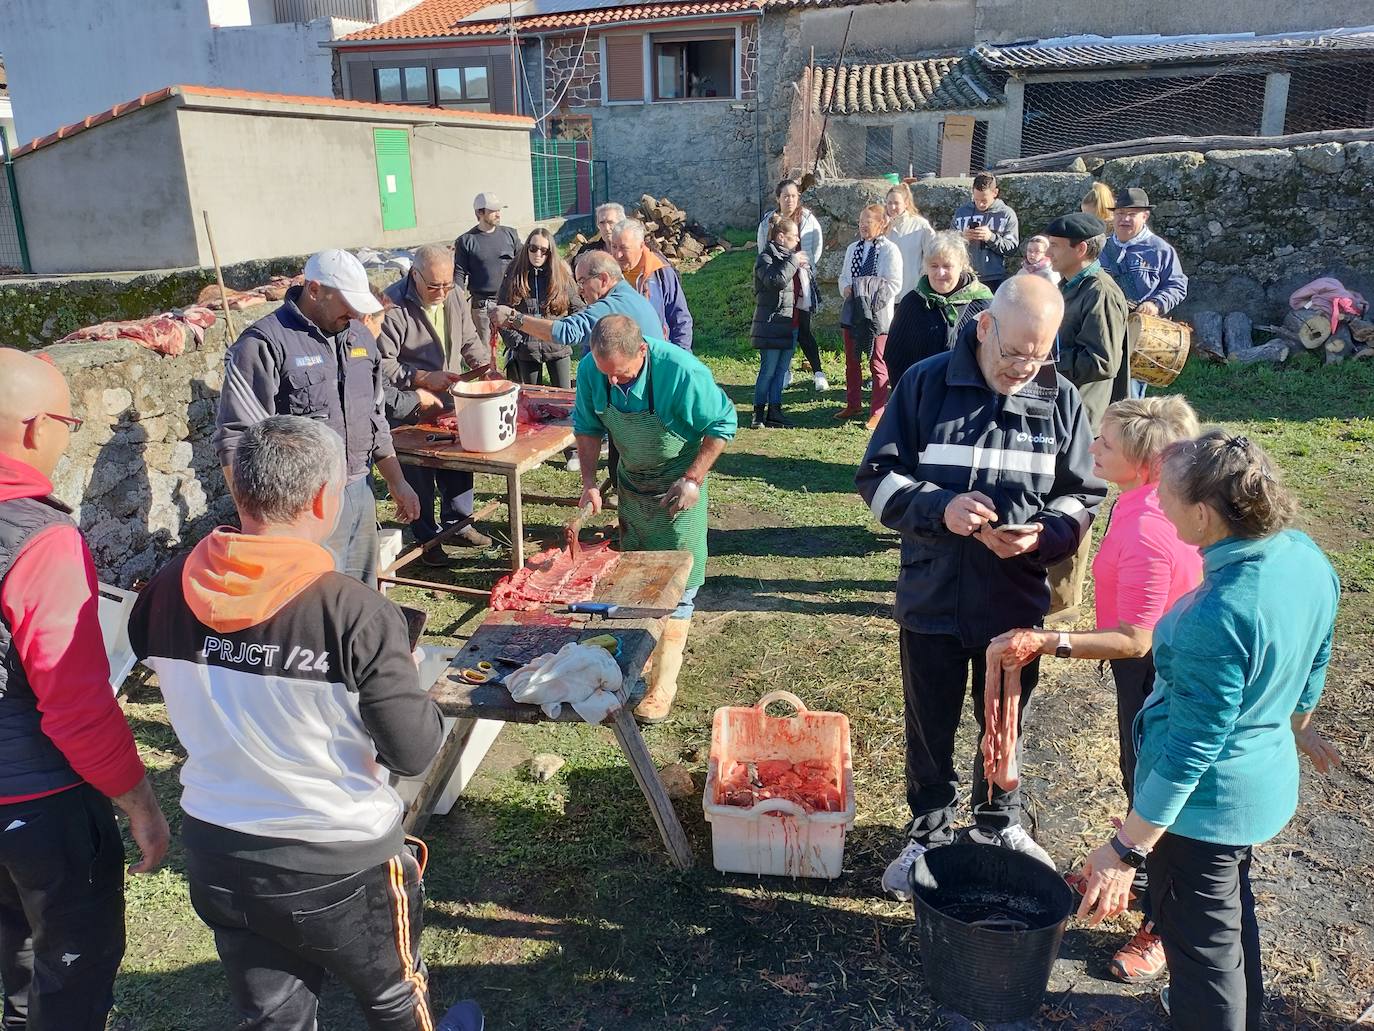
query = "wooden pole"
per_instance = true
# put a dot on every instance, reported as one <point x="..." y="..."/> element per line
<point x="219" y="278"/>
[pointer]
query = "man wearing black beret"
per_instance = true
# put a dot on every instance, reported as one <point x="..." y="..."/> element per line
<point x="1092" y="354"/>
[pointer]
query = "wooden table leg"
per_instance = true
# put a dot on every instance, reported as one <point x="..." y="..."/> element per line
<point x="642" y="766"/>
<point x="517" y="522"/>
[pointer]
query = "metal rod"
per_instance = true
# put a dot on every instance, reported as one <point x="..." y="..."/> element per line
<point x="15" y="207"/>
<point x="825" y="122"/>
<point x="219" y="278"/>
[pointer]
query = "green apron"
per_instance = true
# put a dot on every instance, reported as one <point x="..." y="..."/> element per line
<point x="652" y="459"/>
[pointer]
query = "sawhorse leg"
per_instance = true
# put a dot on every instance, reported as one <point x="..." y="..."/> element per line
<point x="446" y="765"/>
<point x="631" y="742"/>
<point x="517" y="522"/>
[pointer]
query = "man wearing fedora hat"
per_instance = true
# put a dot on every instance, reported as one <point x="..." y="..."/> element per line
<point x="1144" y="266"/>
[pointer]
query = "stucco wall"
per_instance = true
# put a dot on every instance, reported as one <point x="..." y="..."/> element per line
<point x="1249" y="226"/>
<point x="903" y="28"/>
<point x="113" y="197"/>
<point x="1005" y="21"/>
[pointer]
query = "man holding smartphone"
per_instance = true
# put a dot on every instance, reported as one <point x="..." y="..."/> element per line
<point x="981" y="463"/>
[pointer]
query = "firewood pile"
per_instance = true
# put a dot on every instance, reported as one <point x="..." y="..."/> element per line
<point x="667" y="229"/>
<point x="1231" y="338"/>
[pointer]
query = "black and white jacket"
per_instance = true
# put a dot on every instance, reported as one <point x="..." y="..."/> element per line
<point x="946" y="432"/>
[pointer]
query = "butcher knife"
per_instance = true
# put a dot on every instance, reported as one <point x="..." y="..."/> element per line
<point x="574" y="527"/>
<point x="606" y="610"/>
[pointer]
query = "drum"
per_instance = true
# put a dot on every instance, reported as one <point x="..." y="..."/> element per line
<point x="1159" y="348"/>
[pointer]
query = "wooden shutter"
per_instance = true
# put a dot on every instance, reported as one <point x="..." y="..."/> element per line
<point x="624" y="71"/>
<point x="359" y="78"/>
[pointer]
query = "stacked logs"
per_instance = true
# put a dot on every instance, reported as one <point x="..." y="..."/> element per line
<point x="667" y="229"/>
<point x="1230" y="338"/>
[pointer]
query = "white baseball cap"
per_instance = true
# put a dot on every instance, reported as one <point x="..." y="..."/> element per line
<point x="487" y="202"/>
<point x="345" y="273"/>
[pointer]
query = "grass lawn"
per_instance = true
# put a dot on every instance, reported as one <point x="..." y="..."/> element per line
<point x="553" y="903"/>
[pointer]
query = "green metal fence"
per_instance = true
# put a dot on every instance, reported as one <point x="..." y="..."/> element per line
<point x="567" y="182"/>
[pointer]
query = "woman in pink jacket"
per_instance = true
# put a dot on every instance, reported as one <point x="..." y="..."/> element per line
<point x="1140" y="570"/>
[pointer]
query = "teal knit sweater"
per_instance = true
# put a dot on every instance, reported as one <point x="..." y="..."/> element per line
<point x="1235" y="659"/>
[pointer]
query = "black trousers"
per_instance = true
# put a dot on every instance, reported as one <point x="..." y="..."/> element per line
<point x="61" y="911"/>
<point x="278" y="932"/>
<point x="560" y="371"/>
<point x="1135" y="679"/>
<point x="935" y="677"/>
<point x="1205" y="912"/>
<point x="806" y="340"/>
<point x="454" y="489"/>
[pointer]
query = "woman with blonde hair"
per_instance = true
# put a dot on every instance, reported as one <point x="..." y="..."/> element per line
<point x="928" y="319"/>
<point x="909" y="230"/>
<point x="870" y="276"/>
<point x="1141" y="569"/>
<point x="1099" y="201"/>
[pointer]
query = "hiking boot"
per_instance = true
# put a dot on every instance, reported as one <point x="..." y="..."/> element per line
<point x="437" y="558"/>
<point x="774" y="419"/>
<point x="1018" y="840"/>
<point x="471" y="537"/>
<point x="897" y="876"/>
<point x="1141" y="958"/>
<point x="820" y="382"/>
<point x="758" y="422"/>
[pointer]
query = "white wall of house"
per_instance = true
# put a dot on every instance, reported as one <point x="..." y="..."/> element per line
<point x="69" y="60"/>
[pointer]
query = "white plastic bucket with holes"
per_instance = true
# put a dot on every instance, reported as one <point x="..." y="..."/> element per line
<point x="777" y="836"/>
<point x="487" y="410"/>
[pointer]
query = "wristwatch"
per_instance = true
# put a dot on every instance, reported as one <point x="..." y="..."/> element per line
<point x="1133" y="856"/>
<point x="1064" y="650"/>
<point x="517" y="319"/>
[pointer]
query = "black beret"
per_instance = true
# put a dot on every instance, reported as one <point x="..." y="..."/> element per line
<point x="1076" y="227"/>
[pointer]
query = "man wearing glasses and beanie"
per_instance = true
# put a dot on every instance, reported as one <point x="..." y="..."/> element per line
<point x="428" y="341"/>
<point x="481" y="257"/>
<point x="980" y="462"/>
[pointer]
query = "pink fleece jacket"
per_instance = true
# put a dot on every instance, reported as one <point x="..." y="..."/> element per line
<point x="1142" y="567"/>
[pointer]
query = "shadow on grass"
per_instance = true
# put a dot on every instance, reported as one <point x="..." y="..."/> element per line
<point x="801" y="542"/>
<point x="788" y="473"/>
<point x="726" y="593"/>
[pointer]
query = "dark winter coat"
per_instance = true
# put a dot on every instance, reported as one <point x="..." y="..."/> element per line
<point x="921" y="329"/>
<point x="521" y="346"/>
<point x="774" y="301"/>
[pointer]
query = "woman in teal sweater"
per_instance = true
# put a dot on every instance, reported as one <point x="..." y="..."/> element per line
<point x="1240" y="664"/>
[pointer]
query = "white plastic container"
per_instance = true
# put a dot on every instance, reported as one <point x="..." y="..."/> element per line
<point x="487" y="410"/>
<point x="777" y="836"/>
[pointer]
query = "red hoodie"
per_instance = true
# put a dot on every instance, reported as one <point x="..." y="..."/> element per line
<point x="49" y="602"/>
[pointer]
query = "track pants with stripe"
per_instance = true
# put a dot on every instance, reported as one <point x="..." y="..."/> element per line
<point x="279" y="931"/>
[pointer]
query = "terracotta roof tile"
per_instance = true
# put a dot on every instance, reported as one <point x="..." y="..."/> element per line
<point x="437" y="114"/>
<point x="951" y="82"/>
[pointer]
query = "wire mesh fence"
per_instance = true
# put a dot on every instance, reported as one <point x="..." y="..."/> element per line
<point x="567" y="182"/>
<point x="11" y="252"/>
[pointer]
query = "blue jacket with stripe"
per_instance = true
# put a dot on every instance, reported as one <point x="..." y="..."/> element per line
<point x="1147" y="269"/>
<point x="945" y="432"/>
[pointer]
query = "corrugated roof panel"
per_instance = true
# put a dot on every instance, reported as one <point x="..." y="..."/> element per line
<point x="1051" y="55"/>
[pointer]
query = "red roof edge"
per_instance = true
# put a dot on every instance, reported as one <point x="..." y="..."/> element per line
<point x="157" y="96"/>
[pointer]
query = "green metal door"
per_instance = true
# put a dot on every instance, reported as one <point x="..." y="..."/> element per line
<point x="393" y="178"/>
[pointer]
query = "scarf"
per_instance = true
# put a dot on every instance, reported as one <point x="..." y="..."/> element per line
<point x="1029" y="266"/>
<point x="862" y="260"/>
<point x="951" y="304"/>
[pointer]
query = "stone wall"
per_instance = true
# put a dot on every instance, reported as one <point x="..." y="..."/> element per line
<point x="561" y="60"/>
<point x="1250" y="226"/>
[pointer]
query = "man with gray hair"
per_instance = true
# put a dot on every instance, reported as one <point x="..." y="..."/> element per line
<point x="293" y="691"/>
<point x="608" y="216"/>
<point x="428" y="341"/>
<point x="602" y="286"/>
<point x="670" y="421"/>
<point x="980" y="463"/>
<point x="648" y="272"/>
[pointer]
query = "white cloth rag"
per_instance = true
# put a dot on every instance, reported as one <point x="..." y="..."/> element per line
<point x="583" y="676"/>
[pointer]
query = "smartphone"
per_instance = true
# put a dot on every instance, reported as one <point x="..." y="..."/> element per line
<point x="1018" y="528"/>
<point x="415" y="623"/>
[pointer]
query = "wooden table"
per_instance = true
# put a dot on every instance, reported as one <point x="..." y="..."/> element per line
<point x="647" y="579"/>
<point x="533" y="446"/>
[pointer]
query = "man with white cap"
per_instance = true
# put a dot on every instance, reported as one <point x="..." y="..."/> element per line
<point x="481" y="257"/>
<point x="311" y="357"/>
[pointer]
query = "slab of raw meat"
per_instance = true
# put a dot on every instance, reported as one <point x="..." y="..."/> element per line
<point x="552" y="578"/>
<point x="1002" y="711"/>
<point x="812" y="784"/>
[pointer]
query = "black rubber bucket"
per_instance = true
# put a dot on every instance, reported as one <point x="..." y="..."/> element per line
<point x="989" y="922"/>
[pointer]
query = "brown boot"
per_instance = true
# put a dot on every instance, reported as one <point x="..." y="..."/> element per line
<point x="658" y="699"/>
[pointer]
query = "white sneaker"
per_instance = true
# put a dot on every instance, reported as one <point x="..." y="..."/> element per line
<point x="574" y="463"/>
<point x="897" y="876"/>
<point x="1018" y="840"/>
<point x="787" y="378"/>
<point x="820" y="382"/>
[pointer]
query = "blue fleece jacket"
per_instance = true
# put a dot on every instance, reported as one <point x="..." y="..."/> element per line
<point x="665" y="294"/>
<point x="1234" y="660"/>
<point x="1147" y="269"/>
<point x="623" y="299"/>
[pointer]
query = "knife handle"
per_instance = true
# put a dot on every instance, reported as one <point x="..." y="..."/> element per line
<point x="594" y="608"/>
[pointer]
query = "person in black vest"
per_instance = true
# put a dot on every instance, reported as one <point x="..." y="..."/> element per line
<point x="981" y="463"/>
<point x="312" y="357"/>
<point x="481" y="257"/>
<point x="67" y="751"/>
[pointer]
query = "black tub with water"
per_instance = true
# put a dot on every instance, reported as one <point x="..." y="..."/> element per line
<point x="989" y="922"/>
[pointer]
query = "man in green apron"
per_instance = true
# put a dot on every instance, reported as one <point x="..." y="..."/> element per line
<point x="670" y="422"/>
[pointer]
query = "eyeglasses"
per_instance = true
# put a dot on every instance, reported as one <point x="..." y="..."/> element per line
<point x="1028" y="360"/>
<point x="445" y="287"/>
<point x="70" y="421"/>
<point x="584" y="280"/>
<point x="535" y="249"/>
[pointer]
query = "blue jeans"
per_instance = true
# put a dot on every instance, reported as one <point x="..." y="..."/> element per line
<point x="354" y="540"/>
<point x="773" y="366"/>
<point x="1137" y="389"/>
<point x="455" y="498"/>
<point x="687" y="605"/>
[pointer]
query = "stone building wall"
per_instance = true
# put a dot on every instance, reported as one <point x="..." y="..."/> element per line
<point x="1250" y="226"/>
<point x="561" y="59"/>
